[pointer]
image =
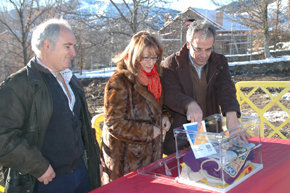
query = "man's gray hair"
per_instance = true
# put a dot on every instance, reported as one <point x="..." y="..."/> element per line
<point x="49" y="30"/>
<point x="207" y="29"/>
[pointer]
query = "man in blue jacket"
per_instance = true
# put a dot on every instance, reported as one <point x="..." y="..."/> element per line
<point x="46" y="142"/>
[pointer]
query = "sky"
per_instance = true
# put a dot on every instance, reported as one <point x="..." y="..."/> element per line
<point x="183" y="4"/>
<point x="179" y="4"/>
<point x="203" y="4"/>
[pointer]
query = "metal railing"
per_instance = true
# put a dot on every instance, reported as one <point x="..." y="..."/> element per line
<point x="269" y="96"/>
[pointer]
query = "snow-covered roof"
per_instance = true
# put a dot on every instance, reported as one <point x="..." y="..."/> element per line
<point x="227" y="23"/>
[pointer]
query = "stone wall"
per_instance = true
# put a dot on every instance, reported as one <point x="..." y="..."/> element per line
<point x="260" y="56"/>
<point x="265" y="68"/>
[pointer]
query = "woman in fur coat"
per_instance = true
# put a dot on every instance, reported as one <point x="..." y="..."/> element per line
<point x="134" y="122"/>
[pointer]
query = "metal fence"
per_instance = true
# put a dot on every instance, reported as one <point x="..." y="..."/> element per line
<point x="269" y="101"/>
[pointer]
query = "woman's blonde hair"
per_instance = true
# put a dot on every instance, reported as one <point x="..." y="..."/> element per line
<point x="132" y="54"/>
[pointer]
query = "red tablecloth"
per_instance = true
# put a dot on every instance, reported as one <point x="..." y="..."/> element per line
<point x="273" y="178"/>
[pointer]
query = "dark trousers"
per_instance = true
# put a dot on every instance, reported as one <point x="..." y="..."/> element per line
<point x="77" y="182"/>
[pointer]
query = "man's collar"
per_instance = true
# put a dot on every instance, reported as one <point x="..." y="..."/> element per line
<point x="66" y="74"/>
<point x="44" y="66"/>
<point x="190" y="58"/>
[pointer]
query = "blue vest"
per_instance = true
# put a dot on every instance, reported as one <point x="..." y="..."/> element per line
<point x="63" y="144"/>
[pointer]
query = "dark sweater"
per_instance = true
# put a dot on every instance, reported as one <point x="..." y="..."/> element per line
<point x="200" y="88"/>
<point x="63" y="144"/>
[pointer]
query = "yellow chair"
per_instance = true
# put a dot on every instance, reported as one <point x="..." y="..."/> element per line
<point x="2" y="189"/>
<point x="97" y="124"/>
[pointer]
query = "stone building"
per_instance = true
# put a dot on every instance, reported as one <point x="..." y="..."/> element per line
<point x="232" y="38"/>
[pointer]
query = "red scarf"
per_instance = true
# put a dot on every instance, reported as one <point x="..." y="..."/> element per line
<point x="152" y="81"/>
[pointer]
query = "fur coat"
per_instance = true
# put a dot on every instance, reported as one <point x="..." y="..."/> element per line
<point x="131" y="111"/>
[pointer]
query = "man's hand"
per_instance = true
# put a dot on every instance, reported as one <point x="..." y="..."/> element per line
<point x="232" y="121"/>
<point x="47" y="176"/>
<point x="165" y="123"/>
<point x="194" y="113"/>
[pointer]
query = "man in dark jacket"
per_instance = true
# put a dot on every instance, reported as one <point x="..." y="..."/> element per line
<point x="197" y="82"/>
<point x="46" y="141"/>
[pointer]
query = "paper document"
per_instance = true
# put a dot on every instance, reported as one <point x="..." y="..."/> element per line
<point x="198" y="140"/>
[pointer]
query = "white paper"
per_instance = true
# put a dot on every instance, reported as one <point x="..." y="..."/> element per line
<point x="198" y="140"/>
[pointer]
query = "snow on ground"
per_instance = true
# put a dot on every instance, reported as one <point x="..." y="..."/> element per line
<point x="107" y="72"/>
<point x="268" y="60"/>
<point x="286" y="97"/>
<point x="276" y="116"/>
<point x="272" y="116"/>
<point x="101" y="73"/>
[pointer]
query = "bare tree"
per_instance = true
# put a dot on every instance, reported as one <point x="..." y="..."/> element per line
<point x="136" y="13"/>
<point x="7" y="65"/>
<point x="253" y="14"/>
<point x="279" y="21"/>
<point x="19" y="17"/>
<point x="129" y="17"/>
<point x="92" y="33"/>
<point x="288" y="13"/>
<point x="276" y="22"/>
<point x="265" y="28"/>
<point x="108" y="25"/>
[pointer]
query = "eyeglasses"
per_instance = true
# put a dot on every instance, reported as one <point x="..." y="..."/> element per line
<point x="199" y="50"/>
<point x="148" y="59"/>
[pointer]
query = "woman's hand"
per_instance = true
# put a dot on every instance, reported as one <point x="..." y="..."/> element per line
<point x="166" y="124"/>
<point x="156" y="132"/>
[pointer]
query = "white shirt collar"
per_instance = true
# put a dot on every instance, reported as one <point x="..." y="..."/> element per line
<point x="66" y="74"/>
